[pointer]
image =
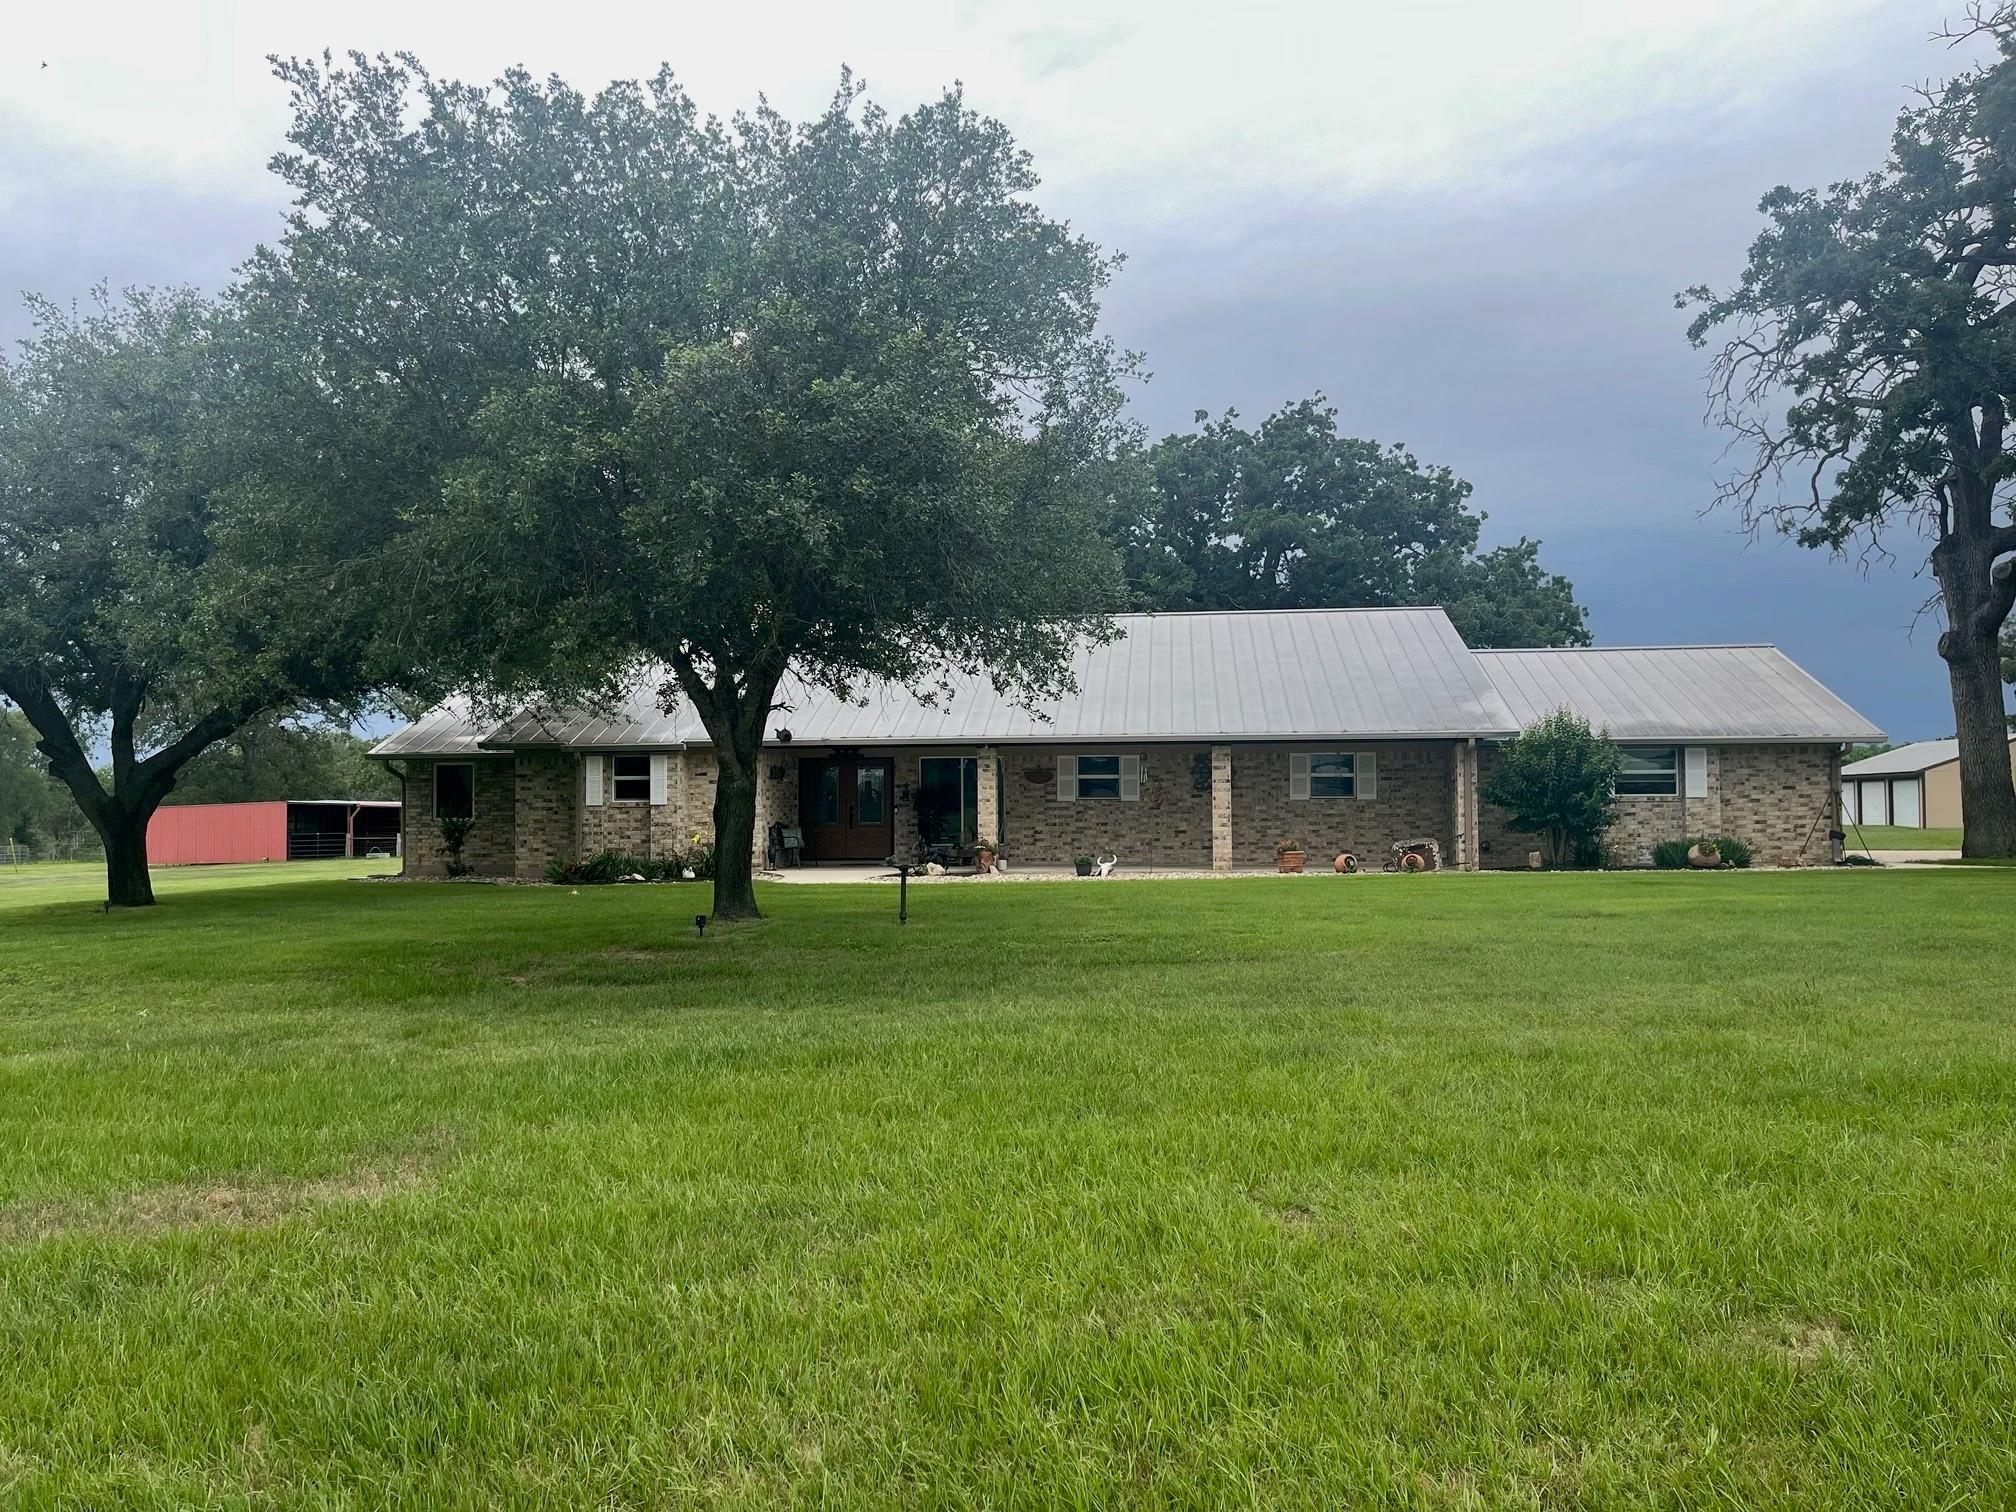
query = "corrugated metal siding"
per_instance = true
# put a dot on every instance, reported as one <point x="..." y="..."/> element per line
<point x="1721" y="693"/>
<point x="210" y="834"/>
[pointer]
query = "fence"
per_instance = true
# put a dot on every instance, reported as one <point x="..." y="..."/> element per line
<point x="86" y="848"/>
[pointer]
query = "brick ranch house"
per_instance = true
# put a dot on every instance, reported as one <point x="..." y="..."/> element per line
<point x="1194" y="740"/>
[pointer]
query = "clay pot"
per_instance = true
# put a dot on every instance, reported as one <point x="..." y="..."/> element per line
<point x="1345" y="862"/>
<point x="1703" y="857"/>
<point x="983" y="859"/>
<point x="1289" y="861"/>
<point x="1413" y="861"/>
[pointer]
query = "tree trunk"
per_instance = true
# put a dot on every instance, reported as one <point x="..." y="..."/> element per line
<point x="735" y="836"/>
<point x="124" y="831"/>
<point x="1987" y="791"/>
<point x="1974" y="670"/>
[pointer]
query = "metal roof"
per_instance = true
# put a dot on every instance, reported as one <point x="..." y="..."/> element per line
<point x="1287" y="675"/>
<point x="1312" y="674"/>
<point x="447" y="730"/>
<point x="1677" y="693"/>
<point x="1920" y="756"/>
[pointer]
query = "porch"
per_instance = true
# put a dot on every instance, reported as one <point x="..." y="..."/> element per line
<point x="1156" y="807"/>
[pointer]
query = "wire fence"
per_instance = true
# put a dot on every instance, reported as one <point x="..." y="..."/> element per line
<point x="13" y="854"/>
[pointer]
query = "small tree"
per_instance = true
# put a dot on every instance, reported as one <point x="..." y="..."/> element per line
<point x="455" y="835"/>
<point x="1558" y="779"/>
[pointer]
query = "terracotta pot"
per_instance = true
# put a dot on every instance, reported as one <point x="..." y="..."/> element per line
<point x="1289" y="861"/>
<point x="1704" y="858"/>
<point x="983" y="858"/>
<point x="1413" y="861"/>
<point x="1345" y="862"/>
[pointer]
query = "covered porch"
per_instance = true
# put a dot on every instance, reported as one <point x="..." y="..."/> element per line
<point x="1159" y="807"/>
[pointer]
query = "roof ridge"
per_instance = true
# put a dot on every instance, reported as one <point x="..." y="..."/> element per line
<point x="1677" y="646"/>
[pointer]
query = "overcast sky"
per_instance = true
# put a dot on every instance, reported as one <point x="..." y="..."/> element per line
<point x="1464" y="222"/>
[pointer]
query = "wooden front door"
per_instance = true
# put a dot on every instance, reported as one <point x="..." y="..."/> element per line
<point x="847" y="808"/>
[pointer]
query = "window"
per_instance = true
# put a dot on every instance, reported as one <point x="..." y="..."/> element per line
<point x="871" y="794"/>
<point x="630" y="779"/>
<point x="1650" y="772"/>
<point x="1333" y="774"/>
<point x="455" y="790"/>
<point x="826" y="794"/>
<point x="1098" y="777"/>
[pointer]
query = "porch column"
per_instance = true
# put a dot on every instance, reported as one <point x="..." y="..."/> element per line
<point x="1468" y="857"/>
<point x="987" y="776"/>
<point x="1221" y="808"/>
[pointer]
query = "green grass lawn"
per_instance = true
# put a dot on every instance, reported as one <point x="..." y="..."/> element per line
<point x="1868" y="837"/>
<point x="1647" y="1189"/>
<point x="45" y="882"/>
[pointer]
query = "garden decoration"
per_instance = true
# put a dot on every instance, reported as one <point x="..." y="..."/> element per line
<point x="1288" y="855"/>
<point x="1105" y="865"/>
<point x="1345" y="864"/>
<point x="1704" y="855"/>
<point x="1423" y="855"/>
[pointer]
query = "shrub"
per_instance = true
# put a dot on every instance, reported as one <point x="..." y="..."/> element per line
<point x="1558" y="779"/>
<point x="1670" y="855"/>
<point x="455" y="835"/>
<point x="1737" y="853"/>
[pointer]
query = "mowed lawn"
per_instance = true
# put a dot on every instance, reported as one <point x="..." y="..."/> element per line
<point x="1626" y="1190"/>
<point x="1880" y="837"/>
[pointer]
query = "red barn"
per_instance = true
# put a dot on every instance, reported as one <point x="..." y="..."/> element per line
<point x="286" y="829"/>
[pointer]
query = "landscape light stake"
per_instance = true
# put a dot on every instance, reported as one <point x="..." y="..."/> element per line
<point x="700" y="924"/>
<point x="902" y="890"/>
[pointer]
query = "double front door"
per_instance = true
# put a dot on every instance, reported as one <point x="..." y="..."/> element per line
<point x="846" y="808"/>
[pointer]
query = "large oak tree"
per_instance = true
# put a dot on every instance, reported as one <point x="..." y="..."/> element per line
<point x="150" y="594"/>
<point x="717" y="402"/>
<point x="1292" y="514"/>
<point x="1867" y="365"/>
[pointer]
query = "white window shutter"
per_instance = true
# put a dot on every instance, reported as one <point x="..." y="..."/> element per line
<point x="591" y="789"/>
<point x="1298" y="774"/>
<point x="1067" y="779"/>
<point x="1365" y="767"/>
<point x="658" y="781"/>
<point x="1697" y="771"/>
<point x="1130" y="779"/>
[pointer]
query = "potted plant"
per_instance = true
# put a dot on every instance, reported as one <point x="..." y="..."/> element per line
<point x="1345" y="864"/>
<point x="1288" y="855"/>
<point x="1704" y="855"/>
<point x="1083" y="864"/>
<point x="984" y="854"/>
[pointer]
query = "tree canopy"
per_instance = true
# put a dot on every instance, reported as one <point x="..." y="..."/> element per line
<point x="1867" y="366"/>
<point x="1294" y="515"/>
<point x="665" y="396"/>
<point x="281" y="756"/>
<point x="147" y="592"/>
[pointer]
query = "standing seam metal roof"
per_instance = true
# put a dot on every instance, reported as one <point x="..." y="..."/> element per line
<point x="1677" y="693"/>
<point x="1286" y="675"/>
<point x="1365" y="674"/>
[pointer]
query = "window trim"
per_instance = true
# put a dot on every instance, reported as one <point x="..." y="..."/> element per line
<point x="1677" y="774"/>
<point x="441" y="766"/>
<point x="617" y="779"/>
